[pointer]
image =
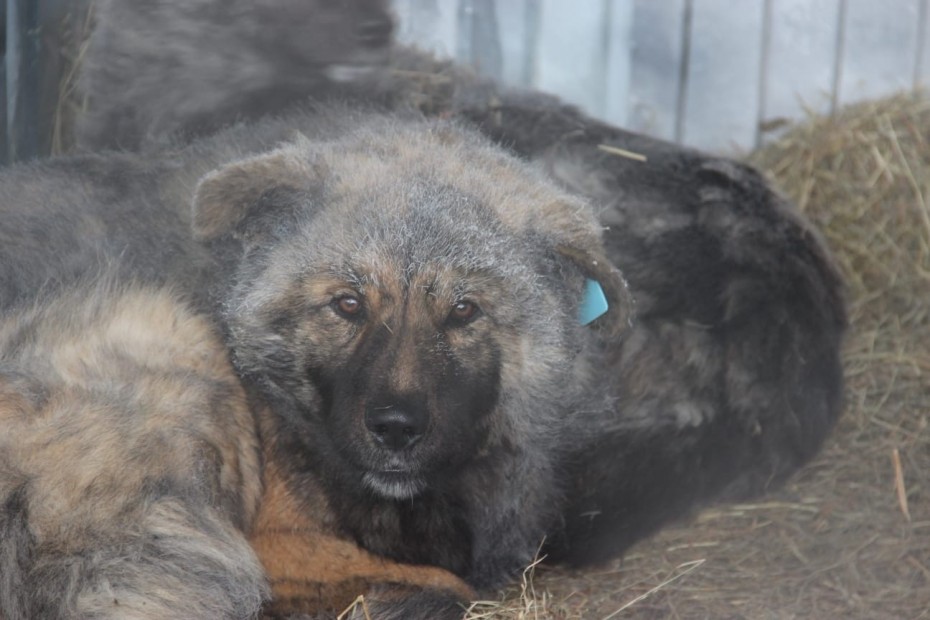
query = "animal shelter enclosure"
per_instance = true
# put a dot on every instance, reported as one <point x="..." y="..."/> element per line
<point x="849" y="536"/>
<point x="709" y="73"/>
<point x="714" y="74"/>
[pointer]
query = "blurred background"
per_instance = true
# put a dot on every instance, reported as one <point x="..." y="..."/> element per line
<point x="847" y="538"/>
<point x="717" y="74"/>
<point x="722" y="75"/>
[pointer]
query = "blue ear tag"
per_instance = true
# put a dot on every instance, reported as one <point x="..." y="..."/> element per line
<point x="594" y="303"/>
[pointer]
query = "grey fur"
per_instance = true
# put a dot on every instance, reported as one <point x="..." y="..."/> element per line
<point x="385" y="211"/>
<point x="209" y="64"/>
<point x="390" y="192"/>
<point x="728" y="381"/>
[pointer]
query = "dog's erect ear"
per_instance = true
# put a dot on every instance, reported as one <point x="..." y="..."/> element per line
<point x="233" y="194"/>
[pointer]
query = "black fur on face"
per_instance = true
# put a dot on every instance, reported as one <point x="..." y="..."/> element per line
<point x="407" y="399"/>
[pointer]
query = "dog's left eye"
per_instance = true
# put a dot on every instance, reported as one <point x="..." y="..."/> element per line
<point x="347" y="306"/>
<point x="463" y="313"/>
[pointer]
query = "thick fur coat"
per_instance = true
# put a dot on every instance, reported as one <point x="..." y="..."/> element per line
<point x="424" y="280"/>
<point x="134" y="482"/>
<point x="465" y="268"/>
<point x="403" y="297"/>
<point x="129" y="461"/>
<point x="208" y="64"/>
<point x="740" y="311"/>
<point x="739" y="322"/>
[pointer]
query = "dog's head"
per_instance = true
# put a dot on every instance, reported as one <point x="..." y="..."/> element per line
<point x="347" y="39"/>
<point x="413" y="291"/>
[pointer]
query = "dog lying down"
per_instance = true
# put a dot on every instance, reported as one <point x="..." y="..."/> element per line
<point x="402" y="302"/>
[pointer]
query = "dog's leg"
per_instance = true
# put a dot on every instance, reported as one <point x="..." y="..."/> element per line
<point x="313" y="571"/>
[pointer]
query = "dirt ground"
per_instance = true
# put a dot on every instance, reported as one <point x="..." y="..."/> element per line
<point x="849" y="537"/>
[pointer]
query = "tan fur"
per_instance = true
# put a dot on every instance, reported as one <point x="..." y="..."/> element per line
<point x="311" y="570"/>
<point x="157" y="420"/>
<point x="175" y="365"/>
<point x="129" y="434"/>
<point x="118" y="388"/>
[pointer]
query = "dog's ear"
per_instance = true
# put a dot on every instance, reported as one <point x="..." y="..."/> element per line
<point x="577" y="238"/>
<point x="593" y="263"/>
<point x="250" y="190"/>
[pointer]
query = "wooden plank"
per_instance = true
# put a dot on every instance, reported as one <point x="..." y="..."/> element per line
<point x="478" y="37"/>
<point x="571" y="52"/>
<point x="431" y="25"/>
<point x="518" y="21"/>
<point x="22" y="74"/>
<point x="922" y="66"/>
<point x="656" y="61"/>
<point x="619" y="61"/>
<point x="722" y="88"/>
<point x="880" y="49"/>
<point x="801" y="59"/>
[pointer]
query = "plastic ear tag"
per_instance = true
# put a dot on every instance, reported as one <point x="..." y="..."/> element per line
<point x="594" y="302"/>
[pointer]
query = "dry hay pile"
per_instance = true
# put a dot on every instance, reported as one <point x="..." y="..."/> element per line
<point x="850" y="536"/>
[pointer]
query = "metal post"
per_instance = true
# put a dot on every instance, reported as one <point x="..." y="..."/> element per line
<point x="684" y="70"/>
<point x="22" y="91"/>
<point x="4" y="137"/>
<point x="839" y="58"/>
<point x="479" y="38"/>
<point x="764" y="54"/>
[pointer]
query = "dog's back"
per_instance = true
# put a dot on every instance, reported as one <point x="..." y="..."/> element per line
<point x="160" y="67"/>
<point x="129" y="461"/>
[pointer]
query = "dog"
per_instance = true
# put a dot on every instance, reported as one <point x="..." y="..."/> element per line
<point x="208" y="64"/>
<point x="740" y="309"/>
<point x="728" y="380"/>
<point x="406" y="301"/>
<point x="737" y="350"/>
<point x="283" y="244"/>
<point x="133" y="481"/>
<point x="740" y="317"/>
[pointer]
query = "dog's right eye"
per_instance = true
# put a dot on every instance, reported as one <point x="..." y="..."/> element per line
<point x="462" y="313"/>
<point x="347" y="306"/>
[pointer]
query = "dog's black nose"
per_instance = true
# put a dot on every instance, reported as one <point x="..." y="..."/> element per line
<point x="395" y="428"/>
<point x="375" y="32"/>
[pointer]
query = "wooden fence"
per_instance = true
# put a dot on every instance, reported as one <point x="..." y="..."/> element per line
<point x="717" y="74"/>
<point x="712" y="73"/>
